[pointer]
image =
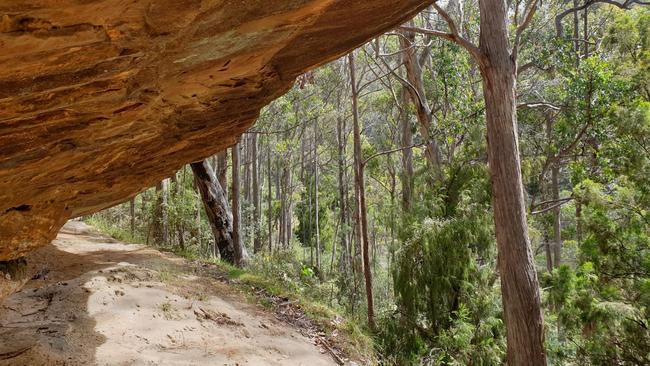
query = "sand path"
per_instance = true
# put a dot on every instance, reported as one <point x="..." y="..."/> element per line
<point x="97" y="301"/>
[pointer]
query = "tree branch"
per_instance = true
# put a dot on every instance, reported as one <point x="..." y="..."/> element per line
<point x="390" y="152"/>
<point x="624" y="5"/>
<point x="539" y="105"/>
<point x="471" y="48"/>
<point x="559" y="203"/>
<point x="530" y="13"/>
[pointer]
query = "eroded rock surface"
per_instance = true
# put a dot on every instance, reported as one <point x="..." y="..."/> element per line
<point x="101" y="99"/>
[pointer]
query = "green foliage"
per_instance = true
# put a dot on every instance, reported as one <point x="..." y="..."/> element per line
<point x="436" y="287"/>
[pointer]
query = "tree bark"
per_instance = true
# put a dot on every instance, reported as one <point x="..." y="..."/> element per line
<point x="222" y="171"/>
<point x="216" y="208"/>
<point x="132" y="213"/>
<point x="362" y="225"/>
<point x="161" y="222"/>
<point x="343" y="207"/>
<point x="238" y="245"/>
<point x="557" y="217"/>
<point x="257" y="242"/>
<point x="407" y="154"/>
<point x="549" y="156"/>
<point x="269" y="196"/>
<point x="519" y="286"/>
<point x="316" y="203"/>
<point x="417" y="94"/>
<point x="576" y="33"/>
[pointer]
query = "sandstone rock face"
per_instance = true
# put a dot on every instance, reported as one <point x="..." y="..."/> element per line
<point x="100" y="99"/>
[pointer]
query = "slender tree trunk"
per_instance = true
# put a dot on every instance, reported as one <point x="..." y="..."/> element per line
<point x="161" y="222"/>
<point x="557" y="217"/>
<point x="407" y="154"/>
<point x="316" y="203"/>
<point x="418" y="97"/>
<point x="214" y="251"/>
<point x="222" y="170"/>
<point x="132" y="213"/>
<point x="343" y="207"/>
<point x="216" y="208"/>
<point x="289" y="207"/>
<point x="248" y="162"/>
<point x="585" y="31"/>
<point x="278" y="196"/>
<point x="310" y="191"/>
<point x="238" y="245"/>
<point x="257" y="241"/>
<point x="549" y="156"/>
<point x="361" y="195"/>
<point x="548" y="251"/>
<point x="576" y="33"/>
<point x="283" y="205"/>
<point x="269" y="196"/>
<point x="519" y="286"/>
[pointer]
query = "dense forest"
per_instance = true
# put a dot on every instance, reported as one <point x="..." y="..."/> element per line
<point x="381" y="187"/>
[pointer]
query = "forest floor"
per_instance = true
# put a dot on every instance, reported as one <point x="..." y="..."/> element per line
<point x="95" y="300"/>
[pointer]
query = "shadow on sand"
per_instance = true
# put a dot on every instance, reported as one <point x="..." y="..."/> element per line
<point x="48" y="322"/>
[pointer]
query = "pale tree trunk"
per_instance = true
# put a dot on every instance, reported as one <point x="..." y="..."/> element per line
<point x="343" y="207"/>
<point x="283" y="206"/>
<point x="214" y="251"/>
<point x="132" y="213"/>
<point x="310" y="190"/>
<point x="576" y="33"/>
<point x="222" y="170"/>
<point x="289" y="206"/>
<point x="238" y="245"/>
<point x="316" y="204"/>
<point x="585" y="32"/>
<point x="161" y="224"/>
<point x="548" y="245"/>
<point x="257" y="242"/>
<point x="216" y="208"/>
<point x="362" y="224"/>
<point x="407" y="154"/>
<point x="557" y="217"/>
<point x="417" y="94"/>
<point x="269" y="196"/>
<point x="248" y="181"/>
<point x="519" y="286"/>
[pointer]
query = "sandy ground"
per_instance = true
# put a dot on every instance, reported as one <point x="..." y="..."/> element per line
<point x="96" y="301"/>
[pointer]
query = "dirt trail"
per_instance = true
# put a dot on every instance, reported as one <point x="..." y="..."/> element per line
<point x="95" y="300"/>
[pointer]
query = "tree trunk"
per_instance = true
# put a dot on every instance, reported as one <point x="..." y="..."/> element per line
<point x="519" y="286"/>
<point x="289" y="206"/>
<point x="362" y="225"/>
<point x="343" y="207"/>
<point x="161" y="222"/>
<point x="222" y="171"/>
<point x="407" y="154"/>
<point x="257" y="242"/>
<point x="549" y="156"/>
<point x="283" y="207"/>
<point x="216" y="208"/>
<point x="418" y="97"/>
<point x="248" y="179"/>
<point x="238" y="245"/>
<point x="316" y="204"/>
<point x="269" y="196"/>
<point x="557" y="217"/>
<point x="576" y="33"/>
<point x="132" y="213"/>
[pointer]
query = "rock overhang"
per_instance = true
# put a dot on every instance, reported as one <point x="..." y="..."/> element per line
<point x="102" y="99"/>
